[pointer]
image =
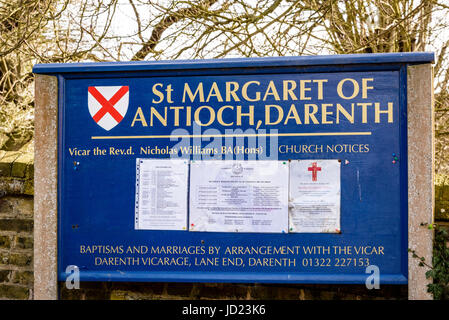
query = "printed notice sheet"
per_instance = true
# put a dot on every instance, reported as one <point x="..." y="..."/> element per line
<point x="161" y="194"/>
<point x="239" y="196"/>
<point x="314" y="204"/>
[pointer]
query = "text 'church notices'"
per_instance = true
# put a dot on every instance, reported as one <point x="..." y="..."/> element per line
<point x="161" y="194"/>
<point x="314" y="204"/>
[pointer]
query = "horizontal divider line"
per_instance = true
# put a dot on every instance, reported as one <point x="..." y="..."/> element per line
<point x="362" y="133"/>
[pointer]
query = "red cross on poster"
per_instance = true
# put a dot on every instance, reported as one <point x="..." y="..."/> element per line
<point x="314" y="168"/>
<point x="314" y="200"/>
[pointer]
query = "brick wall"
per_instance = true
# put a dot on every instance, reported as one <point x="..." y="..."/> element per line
<point x="212" y="291"/>
<point x="16" y="223"/>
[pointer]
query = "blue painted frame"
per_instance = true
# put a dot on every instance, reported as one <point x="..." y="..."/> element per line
<point x="284" y="65"/>
<point x="325" y="60"/>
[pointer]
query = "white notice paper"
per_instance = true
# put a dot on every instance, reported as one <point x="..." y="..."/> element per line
<point x="239" y="196"/>
<point x="314" y="204"/>
<point x="161" y="194"/>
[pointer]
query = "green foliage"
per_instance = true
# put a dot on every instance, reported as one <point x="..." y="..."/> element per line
<point x="439" y="271"/>
<point x="440" y="261"/>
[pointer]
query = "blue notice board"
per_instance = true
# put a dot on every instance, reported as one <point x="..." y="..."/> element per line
<point x="351" y="108"/>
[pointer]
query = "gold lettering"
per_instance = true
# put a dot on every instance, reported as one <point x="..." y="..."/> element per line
<point x="325" y="113"/>
<point x="158" y="93"/>
<point x="220" y="118"/>
<point x="377" y="112"/>
<point x="211" y="116"/>
<point x="250" y="115"/>
<point x="365" y="87"/>
<point x="245" y="91"/>
<point x="199" y="91"/>
<point x="231" y="92"/>
<point x="292" y="114"/>
<point x="176" y="115"/>
<point x="320" y="87"/>
<point x="268" y="114"/>
<point x="349" y="117"/>
<point x="188" y="116"/>
<point x="288" y="91"/>
<point x="271" y="90"/>
<point x="310" y="115"/>
<point x="355" y="91"/>
<point x="364" y="106"/>
<point x="214" y="92"/>
<point x="303" y="89"/>
<point x="162" y="120"/>
<point x="139" y="117"/>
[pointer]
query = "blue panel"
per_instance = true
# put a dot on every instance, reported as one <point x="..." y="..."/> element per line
<point x="97" y="193"/>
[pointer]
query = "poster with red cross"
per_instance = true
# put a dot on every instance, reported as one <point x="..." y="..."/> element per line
<point x="314" y="196"/>
<point x="108" y="105"/>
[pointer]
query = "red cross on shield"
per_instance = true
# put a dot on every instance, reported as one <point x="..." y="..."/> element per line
<point x="108" y="105"/>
